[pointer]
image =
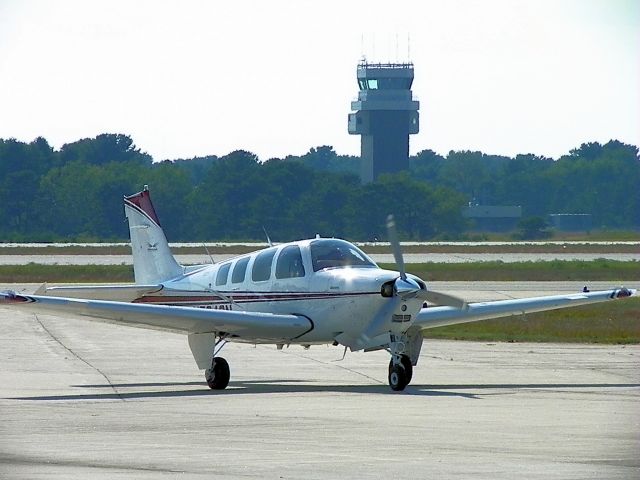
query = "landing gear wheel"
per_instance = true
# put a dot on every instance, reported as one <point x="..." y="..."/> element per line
<point x="218" y="375"/>
<point x="408" y="368"/>
<point x="397" y="377"/>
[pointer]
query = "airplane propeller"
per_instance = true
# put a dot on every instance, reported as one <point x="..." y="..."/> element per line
<point x="376" y="325"/>
<point x="407" y="288"/>
<point x="392" y="233"/>
<point x="403" y="288"/>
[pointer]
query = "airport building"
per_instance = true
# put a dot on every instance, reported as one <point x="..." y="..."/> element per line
<point x="385" y="115"/>
<point x="493" y="218"/>
<point x="571" y="222"/>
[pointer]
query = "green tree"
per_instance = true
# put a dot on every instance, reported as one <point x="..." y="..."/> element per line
<point x="21" y="166"/>
<point x="103" y="149"/>
<point x="76" y="192"/>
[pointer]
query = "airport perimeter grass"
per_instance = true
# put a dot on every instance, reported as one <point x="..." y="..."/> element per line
<point x="602" y="269"/>
<point x="556" y="270"/>
<point x="239" y="248"/>
<point x="38" y="273"/>
<point x="609" y="322"/>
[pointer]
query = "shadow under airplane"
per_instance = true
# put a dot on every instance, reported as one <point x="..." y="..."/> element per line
<point x="294" y="386"/>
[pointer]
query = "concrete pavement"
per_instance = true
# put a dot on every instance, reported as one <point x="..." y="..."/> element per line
<point x="87" y="400"/>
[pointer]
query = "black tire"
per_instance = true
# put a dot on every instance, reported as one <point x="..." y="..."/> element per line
<point x="218" y="375"/>
<point x="408" y="368"/>
<point x="397" y="377"/>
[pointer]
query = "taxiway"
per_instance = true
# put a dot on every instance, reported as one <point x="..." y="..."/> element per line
<point x="87" y="400"/>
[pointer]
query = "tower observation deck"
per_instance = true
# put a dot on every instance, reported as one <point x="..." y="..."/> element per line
<point x="385" y="115"/>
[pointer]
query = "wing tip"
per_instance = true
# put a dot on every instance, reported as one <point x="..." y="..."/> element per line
<point x="8" y="297"/>
<point x="624" y="292"/>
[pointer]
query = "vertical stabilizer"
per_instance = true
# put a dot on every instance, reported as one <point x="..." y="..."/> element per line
<point x="152" y="260"/>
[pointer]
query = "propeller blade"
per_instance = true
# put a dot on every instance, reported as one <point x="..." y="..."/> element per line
<point x="442" y="299"/>
<point x="404" y="287"/>
<point x="392" y="233"/>
<point x="381" y="318"/>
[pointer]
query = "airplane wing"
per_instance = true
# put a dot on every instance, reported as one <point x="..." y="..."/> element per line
<point x="253" y="326"/>
<point x="432" y="317"/>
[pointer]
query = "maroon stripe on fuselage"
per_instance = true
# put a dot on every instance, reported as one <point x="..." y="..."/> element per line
<point x="247" y="297"/>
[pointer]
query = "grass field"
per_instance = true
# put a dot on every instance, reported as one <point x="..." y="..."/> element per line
<point x="613" y="270"/>
<point x="236" y="249"/>
<point x="609" y="322"/>
<point x="556" y="270"/>
<point x="37" y="273"/>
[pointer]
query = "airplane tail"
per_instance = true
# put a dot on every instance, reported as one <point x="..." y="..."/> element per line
<point x="153" y="262"/>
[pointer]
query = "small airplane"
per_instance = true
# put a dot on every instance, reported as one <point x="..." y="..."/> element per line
<point x="308" y="292"/>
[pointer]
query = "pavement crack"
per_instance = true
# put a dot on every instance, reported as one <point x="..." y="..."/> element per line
<point x="76" y="355"/>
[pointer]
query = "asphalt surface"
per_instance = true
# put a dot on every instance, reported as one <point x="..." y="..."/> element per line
<point x="191" y="259"/>
<point x="87" y="400"/>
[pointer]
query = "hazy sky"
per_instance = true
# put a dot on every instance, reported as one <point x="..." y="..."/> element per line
<point x="276" y="77"/>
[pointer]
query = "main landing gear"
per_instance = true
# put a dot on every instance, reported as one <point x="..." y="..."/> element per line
<point x="219" y="374"/>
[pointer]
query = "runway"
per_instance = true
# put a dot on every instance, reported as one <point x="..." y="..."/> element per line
<point x="191" y="259"/>
<point x="88" y="400"/>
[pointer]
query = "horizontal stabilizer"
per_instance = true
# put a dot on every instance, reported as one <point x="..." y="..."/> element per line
<point x="119" y="293"/>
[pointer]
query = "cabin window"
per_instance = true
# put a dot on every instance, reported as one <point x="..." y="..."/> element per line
<point x="262" y="265"/>
<point x="223" y="274"/>
<point x="239" y="270"/>
<point x="327" y="253"/>
<point x="289" y="263"/>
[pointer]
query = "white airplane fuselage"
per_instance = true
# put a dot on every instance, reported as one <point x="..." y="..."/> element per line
<point x="337" y="299"/>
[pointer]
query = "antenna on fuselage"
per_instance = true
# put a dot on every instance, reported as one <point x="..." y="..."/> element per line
<point x="344" y="354"/>
<point x="207" y="250"/>
<point x="267" y="235"/>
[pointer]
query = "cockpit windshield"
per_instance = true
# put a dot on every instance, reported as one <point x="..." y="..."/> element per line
<point x="330" y="253"/>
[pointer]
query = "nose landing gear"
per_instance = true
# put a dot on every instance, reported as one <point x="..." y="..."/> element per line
<point x="400" y="372"/>
<point x="400" y="366"/>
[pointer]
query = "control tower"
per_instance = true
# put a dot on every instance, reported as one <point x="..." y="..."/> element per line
<point x="385" y="115"/>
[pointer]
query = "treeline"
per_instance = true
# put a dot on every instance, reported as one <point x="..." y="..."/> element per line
<point x="603" y="180"/>
<point x="75" y="193"/>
